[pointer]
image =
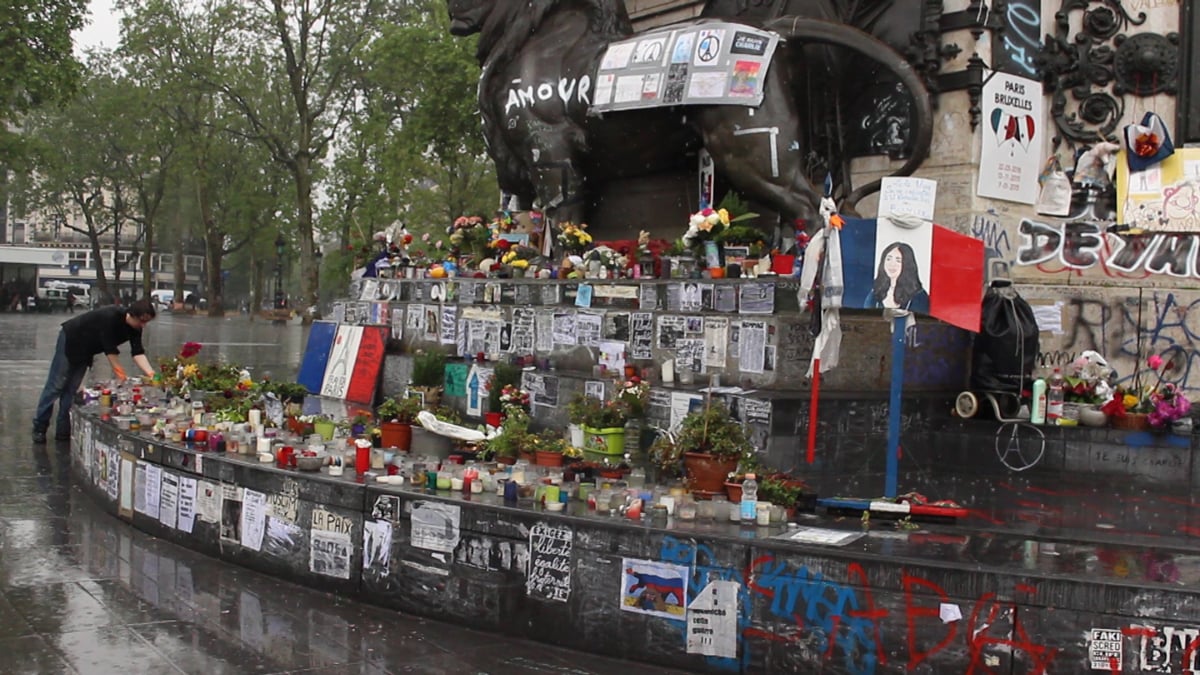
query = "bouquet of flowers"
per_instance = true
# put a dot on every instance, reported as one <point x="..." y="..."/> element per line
<point x="634" y="393"/>
<point x="469" y="233"/>
<point x="573" y="238"/>
<point x="503" y="222"/>
<point x="1169" y="405"/>
<point x="608" y="258"/>
<point x="1161" y="402"/>
<point x="1087" y="379"/>
<point x="514" y="397"/>
<point x="705" y="224"/>
<point x="515" y="255"/>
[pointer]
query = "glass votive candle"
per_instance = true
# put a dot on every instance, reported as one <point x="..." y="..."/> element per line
<point x="720" y="504"/>
<point x="443" y="480"/>
<point x="704" y="510"/>
<point x="686" y="509"/>
<point x="762" y="514"/>
<point x="778" y="514"/>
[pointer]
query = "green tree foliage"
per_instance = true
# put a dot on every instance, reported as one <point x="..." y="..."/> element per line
<point x="38" y="66"/>
<point x="413" y="151"/>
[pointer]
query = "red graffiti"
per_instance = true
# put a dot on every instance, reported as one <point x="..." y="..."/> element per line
<point x="912" y="612"/>
<point x="979" y="637"/>
<point x="869" y="612"/>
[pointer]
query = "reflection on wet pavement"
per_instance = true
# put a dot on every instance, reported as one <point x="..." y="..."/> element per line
<point x="83" y="592"/>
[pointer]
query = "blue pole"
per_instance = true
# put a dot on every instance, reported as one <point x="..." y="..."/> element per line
<point x="893" y="457"/>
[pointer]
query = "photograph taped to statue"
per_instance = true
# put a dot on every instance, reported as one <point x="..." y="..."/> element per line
<point x="100" y="331"/>
<point x="547" y="149"/>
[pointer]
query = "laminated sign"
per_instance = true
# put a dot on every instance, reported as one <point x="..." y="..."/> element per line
<point x="707" y="63"/>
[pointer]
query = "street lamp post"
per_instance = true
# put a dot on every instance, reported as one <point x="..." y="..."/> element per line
<point x="280" y="299"/>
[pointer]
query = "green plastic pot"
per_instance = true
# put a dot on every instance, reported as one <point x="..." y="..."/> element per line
<point x="610" y="441"/>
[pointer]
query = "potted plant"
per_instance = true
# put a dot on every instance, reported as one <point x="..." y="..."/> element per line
<point x="511" y="438"/>
<point x="396" y="417"/>
<point x="548" y="449"/>
<point x="429" y="375"/>
<point x="425" y="442"/>
<point x="322" y="425"/>
<point x="503" y="375"/>
<point x="576" y="416"/>
<point x="604" y="426"/>
<point x="781" y="493"/>
<point x="712" y="444"/>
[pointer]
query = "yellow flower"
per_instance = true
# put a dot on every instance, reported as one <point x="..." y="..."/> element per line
<point x="1129" y="401"/>
<point x="724" y="216"/>
<point x="509" y="257"/>
<point x="585" y="237"/>
<point x="520" y="264"/>
<point x="191" y="370"/>
<point x="705" y="226"/>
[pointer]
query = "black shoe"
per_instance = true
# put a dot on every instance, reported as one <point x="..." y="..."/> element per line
<point x="39" y="437"/>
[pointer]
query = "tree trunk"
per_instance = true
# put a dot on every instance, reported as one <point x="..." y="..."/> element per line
<point x="214" y="243"/>
<point x="304" y="238"/>
<point x="147" y="260"/>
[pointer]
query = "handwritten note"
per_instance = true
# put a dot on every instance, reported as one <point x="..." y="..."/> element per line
<point x="549" y="576"/>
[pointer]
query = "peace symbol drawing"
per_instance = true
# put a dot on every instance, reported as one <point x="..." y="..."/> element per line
<point x="709" y="48"/>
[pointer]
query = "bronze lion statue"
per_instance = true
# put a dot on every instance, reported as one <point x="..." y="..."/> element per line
<point x="540" y="60"/>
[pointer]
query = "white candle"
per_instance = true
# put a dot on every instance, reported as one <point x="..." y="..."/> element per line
<point x="255" y="418"/>
<point x="264" y="445"/>
<point x="668" y="371"/>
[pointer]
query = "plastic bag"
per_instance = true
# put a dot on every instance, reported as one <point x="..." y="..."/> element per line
<point x="1054" y="198"/>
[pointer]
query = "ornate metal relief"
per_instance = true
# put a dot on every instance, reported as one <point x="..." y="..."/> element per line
<point x="1147" y="64"/>
<point x="1099" y="64"/>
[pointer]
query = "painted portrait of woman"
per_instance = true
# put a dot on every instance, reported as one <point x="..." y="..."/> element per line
<point x="898" y="281"/>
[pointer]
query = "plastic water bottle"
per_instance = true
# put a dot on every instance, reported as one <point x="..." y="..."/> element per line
<point x="749" y="499"/>
<point x="1037" y="408"/>
<point x="1054" y="397"/>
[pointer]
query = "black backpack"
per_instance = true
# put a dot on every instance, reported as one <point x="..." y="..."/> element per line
<point x="1006" y="348"/>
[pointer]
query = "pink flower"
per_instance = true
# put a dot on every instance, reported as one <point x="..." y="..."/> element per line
<point x="425" y="237"/>
<point x="1155" y="361"/>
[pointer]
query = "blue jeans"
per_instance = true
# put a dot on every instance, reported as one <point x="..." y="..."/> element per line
<point x="61" y="384"/>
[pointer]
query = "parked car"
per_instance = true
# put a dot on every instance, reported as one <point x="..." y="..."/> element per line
<point x="162" y="298"/>
<point x="53" y="300"/>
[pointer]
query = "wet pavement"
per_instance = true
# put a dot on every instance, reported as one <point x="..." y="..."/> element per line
<point x="83" y="592"/>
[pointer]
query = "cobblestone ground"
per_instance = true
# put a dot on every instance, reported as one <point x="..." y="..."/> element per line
<point x="83" y="592"/>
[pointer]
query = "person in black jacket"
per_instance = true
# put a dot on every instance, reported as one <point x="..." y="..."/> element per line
<point x="98" y="331"/>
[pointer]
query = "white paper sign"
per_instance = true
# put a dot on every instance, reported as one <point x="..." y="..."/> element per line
<point x="154" y="475"/>
<point x="712" y="620"/>
<point x="169" y="500"/>
<point x="1011" y="156"/>
<point x="187" y="503"/>
<point x="126" y="485"/>
<point x="139" y="489"/>
<point x="208" y="502"/>
<point x="254" y="519"/>
<point x="435" y="526"/>
<point x="949" y="613"/>
<point x="329" y="553"/>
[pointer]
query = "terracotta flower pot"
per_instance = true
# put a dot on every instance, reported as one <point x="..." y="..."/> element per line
<point x="527" y="456"/>
<point x="706" y="473"/>
<point x="507" y="461"/>
<point x="546" y="458"/>
<point x="396" y="435"/>
<point x="734" y="492"/>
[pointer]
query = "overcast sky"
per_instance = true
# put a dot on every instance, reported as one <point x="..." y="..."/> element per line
<point x="103" y="27"/>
